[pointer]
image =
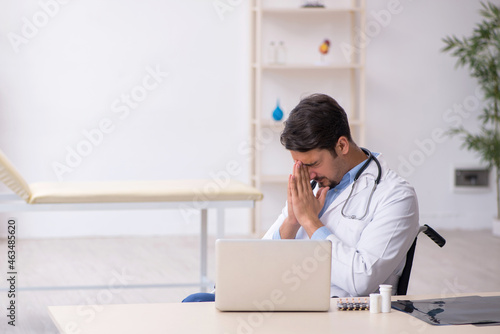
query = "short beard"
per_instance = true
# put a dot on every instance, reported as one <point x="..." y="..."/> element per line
<point x="324" y="182"/>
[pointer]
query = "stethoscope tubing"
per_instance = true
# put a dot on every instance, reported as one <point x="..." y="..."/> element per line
<point x="371" y="158"/>
<point x="358" y="174"/>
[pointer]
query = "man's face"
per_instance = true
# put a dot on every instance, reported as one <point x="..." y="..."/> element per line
<point x="327" y="170"/>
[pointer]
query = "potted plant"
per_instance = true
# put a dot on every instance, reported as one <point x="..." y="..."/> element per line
<point x="480" y="53"/>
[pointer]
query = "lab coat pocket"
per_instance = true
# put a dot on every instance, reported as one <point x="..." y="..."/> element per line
<point x="349" y="230"/>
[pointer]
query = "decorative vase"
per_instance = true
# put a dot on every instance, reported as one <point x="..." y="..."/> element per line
<point x="278" y="113"/>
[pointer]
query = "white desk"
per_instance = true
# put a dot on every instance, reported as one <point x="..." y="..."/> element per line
<point x="204" y="318"/>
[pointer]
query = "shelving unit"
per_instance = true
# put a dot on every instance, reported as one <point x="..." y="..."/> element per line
<point x="310" y="67"/>
<point x="340" y="74"/>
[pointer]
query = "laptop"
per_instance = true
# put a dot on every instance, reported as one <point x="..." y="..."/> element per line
<point x="273" y="275"/>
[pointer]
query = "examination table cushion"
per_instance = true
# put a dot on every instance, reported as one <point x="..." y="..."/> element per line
<point x="141" y="191"/>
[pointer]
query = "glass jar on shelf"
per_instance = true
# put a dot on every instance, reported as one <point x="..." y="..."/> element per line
<point x="281" y="53"/>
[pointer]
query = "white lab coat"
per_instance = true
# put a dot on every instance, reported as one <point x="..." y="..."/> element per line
<point x="371" y="251"/>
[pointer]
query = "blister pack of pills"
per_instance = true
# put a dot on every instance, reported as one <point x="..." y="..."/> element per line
<point x="353" y="304"/>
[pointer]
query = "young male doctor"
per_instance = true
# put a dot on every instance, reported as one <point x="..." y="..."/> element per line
<point x="371" y="232"/>
<point x="371" y="227"/>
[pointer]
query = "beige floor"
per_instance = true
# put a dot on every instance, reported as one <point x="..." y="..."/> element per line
<point x="470" y="262"/>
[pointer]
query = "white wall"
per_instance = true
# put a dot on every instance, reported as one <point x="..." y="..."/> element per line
<point x="413" y="92"/>
<point x="66" y="77"/>
<point x="70" y="74"/>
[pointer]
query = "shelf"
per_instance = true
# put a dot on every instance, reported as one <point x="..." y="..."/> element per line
<point x="269" y="123"/>
<point x="308" y="10"/>
<point x="308" y="67"/>
<point x="274" y="178"/>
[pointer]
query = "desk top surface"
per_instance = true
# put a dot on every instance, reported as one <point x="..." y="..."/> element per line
<point x="204" y="318"/>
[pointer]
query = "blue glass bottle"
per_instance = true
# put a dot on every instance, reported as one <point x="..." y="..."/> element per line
<point x="278" y="113"/>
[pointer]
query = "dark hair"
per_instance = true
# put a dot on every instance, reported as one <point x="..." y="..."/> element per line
<point x="317" y="122"/>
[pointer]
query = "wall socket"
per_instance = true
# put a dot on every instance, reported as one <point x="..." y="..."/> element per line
<point x="472" y="178"/>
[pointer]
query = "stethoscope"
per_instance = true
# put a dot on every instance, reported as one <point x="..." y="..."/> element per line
<point x="356" y="177"/>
